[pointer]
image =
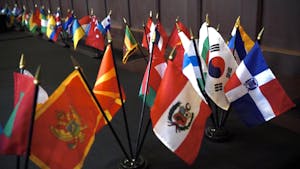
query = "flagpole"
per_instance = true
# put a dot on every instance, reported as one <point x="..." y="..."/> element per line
<point x="144" y="95"/>
<point x="21" y="69"/>
<point x="77" y="67"/>
<point x="121" y="97"/>
<point x="36" y="83"/>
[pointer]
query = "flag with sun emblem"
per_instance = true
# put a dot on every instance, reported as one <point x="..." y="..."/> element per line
<point x="221" y="65"/>
<point x="179" y="117"/>
<point x="65" y="126"/>
<point x="106" y="87"/>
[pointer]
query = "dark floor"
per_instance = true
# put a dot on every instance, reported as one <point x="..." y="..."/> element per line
<point x="273" y="145"/>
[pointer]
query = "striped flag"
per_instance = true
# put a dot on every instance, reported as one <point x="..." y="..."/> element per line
<point x="44" y="20"/>
<point x="179" y="115"/>
<point x="78" y="32"/>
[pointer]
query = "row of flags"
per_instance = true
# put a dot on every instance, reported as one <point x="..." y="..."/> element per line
<point x="54" y="26"/>
<point x="177" y="91"/>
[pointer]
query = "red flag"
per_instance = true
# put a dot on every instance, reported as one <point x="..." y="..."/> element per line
<point x="95" y="38"/>
<point x="15" y="133"/>
<point x="65" y="126"/>
<point x="36" y="16"/>
<point x="163" y="39"/>
<point x="106" y="87"/>
<point x="84" y="22"/>
<point x="179" y="115"/>
<point x="147" y="30"/>
<point x="175" y="42"/>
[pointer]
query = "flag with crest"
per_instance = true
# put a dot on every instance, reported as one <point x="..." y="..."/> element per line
<point x="254" y="92"/>
<point x="179" y="115"/>
<point x="65" y="124"/>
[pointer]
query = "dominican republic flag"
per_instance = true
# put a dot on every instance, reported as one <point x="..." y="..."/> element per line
<point x="254" y="92"/>
<point x="179" y="115"/>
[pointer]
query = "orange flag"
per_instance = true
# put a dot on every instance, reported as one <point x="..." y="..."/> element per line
<point x="106" y="87"/>
<point x="65" y="126"/>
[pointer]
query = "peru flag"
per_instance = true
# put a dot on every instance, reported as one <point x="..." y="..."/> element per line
<point x="254" y="92"/>
<point x="179" y="117"/>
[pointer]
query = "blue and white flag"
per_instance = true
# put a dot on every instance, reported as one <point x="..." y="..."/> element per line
<point x="104" y="25"/>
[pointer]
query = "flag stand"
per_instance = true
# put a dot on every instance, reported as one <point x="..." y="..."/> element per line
<point x="139" y="163"/>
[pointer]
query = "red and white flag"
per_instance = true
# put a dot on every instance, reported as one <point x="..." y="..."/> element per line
<point x="179" y="117"/>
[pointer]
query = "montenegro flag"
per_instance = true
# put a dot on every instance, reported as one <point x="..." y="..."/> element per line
<point x="65" y="126"/>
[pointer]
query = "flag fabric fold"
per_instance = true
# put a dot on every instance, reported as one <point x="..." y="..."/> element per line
<point x="106" y="87"/>
<point x="179" y="117"/>
<point x="14" y="138"/>
<point x="254" y="92"/>
<point x="65" y="126"/>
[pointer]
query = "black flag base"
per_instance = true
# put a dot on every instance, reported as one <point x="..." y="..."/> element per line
<point x="139" y="163"/>
<point x="217" y="134"/>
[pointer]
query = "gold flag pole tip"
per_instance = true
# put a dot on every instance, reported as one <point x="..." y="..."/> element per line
<point x="22" y="62"/>
<point x="37" y="75"/>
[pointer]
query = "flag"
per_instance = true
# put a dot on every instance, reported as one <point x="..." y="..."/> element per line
<point x="254" y="92"/>
<point x="130" y="44"/>
<point x="175" y="42"/>
<point x="191" y="66"/>
<point x="65" y="126"/>
<point x="157" y="70"/>
<point x="161" y="37"/>
<point x="179" y="115"/>
<point x="36" y="16"/>
<point x="203" y="45"/>
<point x="78" y="32"/>
<point x="240" y="43"/>
<point x="14" y="138"/>
<point x="44" y="20"/>
<point x="52" y="32"/>
<point x="147" y="33"/>
<point x="106" y="87"/>
<point x="94" y="37"/>
<point x="67" y="25"/>
<point x="25" y="19"/>
<point x="104" y="26"/>
<point x="221" y="65"/>
<point x="84" y="22"/>
<point x="42" y="96"/>
<point x="32" y="24"/>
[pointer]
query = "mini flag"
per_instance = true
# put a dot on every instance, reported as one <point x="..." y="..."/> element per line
<point x="65" y="126"/>
<point x="104" y="26"/>
<point x="147" y="33"/>
<point x="157" y="70"/>
<point x="14" y="138"/>
<point x="106" y="87"/>
<point x="36" y="17"/>
<point x="67" y="25"/>
<point x="254" y="92"/>
<point x="130" y="45"/>
<point x="85" y="22"/>
<point x="179" y="115"/>
<point x="221" y="65"/>
<point x="204" y="42"/>
<point x="44" y="20"/>
<point x="52" y="32"/>
<point x="94" y="37"/>
<point x="78" y="32"/>
<point x="161" y="38"/>
<point x="191" y="65"/>
<point x="175" y="42"/>
<point x="32" y="25"/>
